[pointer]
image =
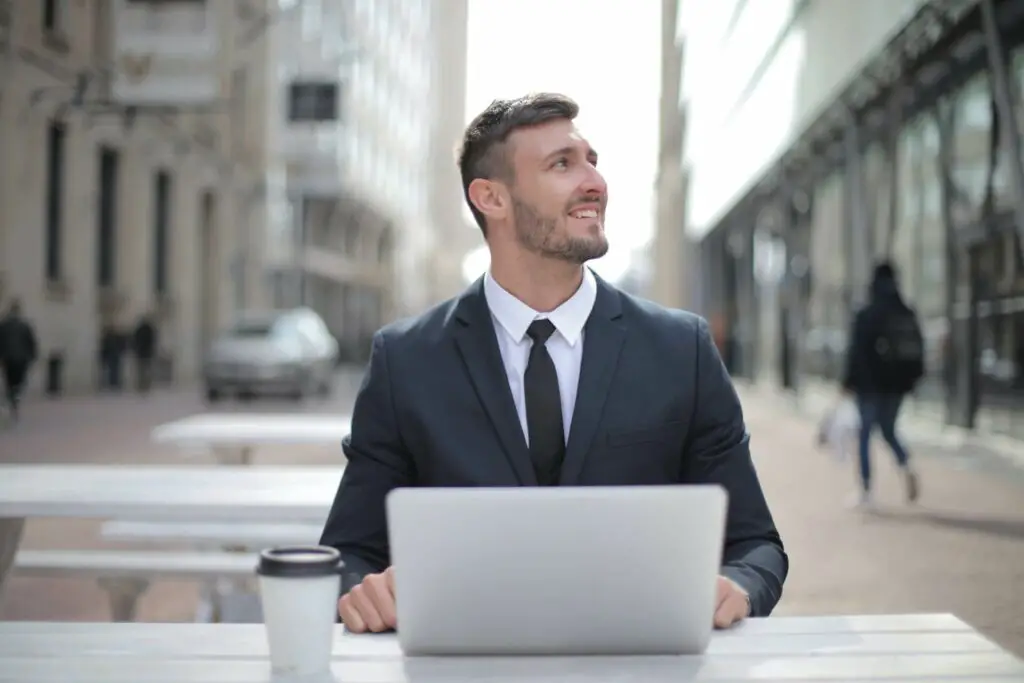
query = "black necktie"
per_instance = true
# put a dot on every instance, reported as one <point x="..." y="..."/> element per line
<point x="543" y="407"/>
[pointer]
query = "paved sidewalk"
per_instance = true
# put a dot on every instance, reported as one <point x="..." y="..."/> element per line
<point x="960" y="550"/>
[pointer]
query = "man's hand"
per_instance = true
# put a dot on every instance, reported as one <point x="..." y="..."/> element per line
<point x="370" y="606"/>
<point x="732" y="603"/>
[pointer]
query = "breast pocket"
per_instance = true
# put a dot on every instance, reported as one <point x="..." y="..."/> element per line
<point x="640" y="456"/>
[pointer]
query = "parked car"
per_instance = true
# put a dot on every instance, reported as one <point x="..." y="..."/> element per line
<point x="287" y="352"/>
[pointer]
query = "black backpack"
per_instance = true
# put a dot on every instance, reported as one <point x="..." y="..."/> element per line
<point x="897" y="351"/>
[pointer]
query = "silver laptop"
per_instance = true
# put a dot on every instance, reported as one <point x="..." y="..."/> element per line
<point x="556" y="571"/>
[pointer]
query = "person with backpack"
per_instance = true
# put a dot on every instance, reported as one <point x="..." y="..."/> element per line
<point x="884" y="363"/>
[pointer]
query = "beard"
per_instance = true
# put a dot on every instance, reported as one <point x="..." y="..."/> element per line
<point x="539" y="235"/>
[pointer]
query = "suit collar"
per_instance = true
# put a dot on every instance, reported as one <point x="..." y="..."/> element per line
<point x="478" y="346"/>
<point x="515" y="316"/>
<point x="471" y="307"/>
<point x="605" y="336"/>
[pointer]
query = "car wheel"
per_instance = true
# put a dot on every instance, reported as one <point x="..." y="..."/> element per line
<point x="325" y="384"/>
<point x="300" y="389"/>
<point x="212" y="395"/>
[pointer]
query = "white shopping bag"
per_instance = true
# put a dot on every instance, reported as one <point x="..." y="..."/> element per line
<point x="839" y="429"/>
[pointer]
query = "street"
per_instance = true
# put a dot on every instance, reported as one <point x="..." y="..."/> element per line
<point x="959" y="550"/>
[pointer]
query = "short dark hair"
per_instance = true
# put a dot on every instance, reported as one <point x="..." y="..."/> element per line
<point x="482" y="153"/>
<point x="885" y="270"/>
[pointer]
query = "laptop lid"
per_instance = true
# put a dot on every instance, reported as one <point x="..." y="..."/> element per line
<point x="560" y="570"/>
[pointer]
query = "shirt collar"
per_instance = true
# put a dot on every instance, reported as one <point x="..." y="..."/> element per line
<point x="515" y="316"/>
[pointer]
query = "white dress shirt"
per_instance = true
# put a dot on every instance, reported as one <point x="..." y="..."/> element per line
<point x="565" y="346"/>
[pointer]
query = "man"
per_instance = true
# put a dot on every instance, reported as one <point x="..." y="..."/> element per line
<point x="884" y="362"/>
<point x="543" y="374"/>
<point x="18" y="350"/>
<point x="144" y="344"/>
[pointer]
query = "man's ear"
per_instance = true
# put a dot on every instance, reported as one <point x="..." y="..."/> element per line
<point x="490" y="198"/>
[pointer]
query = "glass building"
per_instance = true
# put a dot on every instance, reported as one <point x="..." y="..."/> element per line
<point x="852" y="132"/>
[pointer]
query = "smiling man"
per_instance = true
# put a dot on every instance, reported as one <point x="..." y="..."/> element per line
<point x="543" y="374"/>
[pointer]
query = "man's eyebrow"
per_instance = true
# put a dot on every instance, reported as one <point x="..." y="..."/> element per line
<point x="590" y="153"/>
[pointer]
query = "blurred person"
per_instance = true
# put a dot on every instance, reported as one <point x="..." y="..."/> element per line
<point x="884" y="362"/>
<point x="111" y="348"/>
<point x="18" y="351"/>
<point x="144" y="345"/>
<point x="541" y="373"/>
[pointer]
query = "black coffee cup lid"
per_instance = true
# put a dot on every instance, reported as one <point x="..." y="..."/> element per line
<point x="300" y="561"/>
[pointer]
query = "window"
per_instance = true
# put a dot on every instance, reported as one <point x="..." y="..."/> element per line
<point x="239" y="108"/>
<point x="55" y="140"/>
<point x="106" y="243"/>
<point x="161" y="227"/>
<point x="824" y="343"/>
<point x="313" y="102"/>
<point x="54" y="15"/>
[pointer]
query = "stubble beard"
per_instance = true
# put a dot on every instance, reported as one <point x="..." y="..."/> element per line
<point x="539" y="235"/>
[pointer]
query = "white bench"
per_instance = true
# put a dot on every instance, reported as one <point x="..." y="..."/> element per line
<point x="125" y="574"/>
<point x="222" y="594"/>
<point x="244" y="535"/>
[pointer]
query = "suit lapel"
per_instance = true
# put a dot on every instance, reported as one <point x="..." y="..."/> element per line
<point x="602" y="342"/>
<point x="478" y="345"/>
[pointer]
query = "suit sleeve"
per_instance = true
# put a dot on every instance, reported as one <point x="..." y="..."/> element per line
<point x="718" y="452"/>
<point x="377" y="463"/>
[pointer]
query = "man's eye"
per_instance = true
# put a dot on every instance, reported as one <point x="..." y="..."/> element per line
<point x="561" y="163"/>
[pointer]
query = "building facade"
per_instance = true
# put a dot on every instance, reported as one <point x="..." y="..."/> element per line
<point x="671" y="249"/>
<point x="203" y="158"/>
<point x="364" y="92"/>
<point x="826" y="135"/>
<point x="456" y="234"/>
<point x="128" y="187"/>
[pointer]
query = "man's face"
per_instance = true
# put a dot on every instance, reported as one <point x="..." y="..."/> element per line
<point x="558" y="196"/>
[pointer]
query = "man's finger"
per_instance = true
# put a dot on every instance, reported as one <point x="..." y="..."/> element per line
<point x="732" y="610"/>
<point x="349" y="616"/>
<point x="367" y="610"/>
<point x="380" y="594"/>
<point x="722" y="590"/>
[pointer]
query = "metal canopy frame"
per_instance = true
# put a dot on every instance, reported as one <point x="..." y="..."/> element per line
<point x="938" y="49"/>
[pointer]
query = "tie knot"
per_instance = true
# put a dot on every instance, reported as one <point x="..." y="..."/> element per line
<point x="540" y="330"/>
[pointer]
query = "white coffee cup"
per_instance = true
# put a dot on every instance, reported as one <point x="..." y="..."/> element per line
<point x="299" y="589"/>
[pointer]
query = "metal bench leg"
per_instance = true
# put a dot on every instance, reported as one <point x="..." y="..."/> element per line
<point x="123" y="595"/>
<point x="10" y="537"/>
<point x="222" y="586"/>
<point x="208" y="609"/>
<point x="233" y="456"/>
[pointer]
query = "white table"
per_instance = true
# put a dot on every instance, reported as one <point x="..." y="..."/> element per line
<point x="232" y="437"/>
<point x="893" y="648"/>
<point x="200" y="493"/>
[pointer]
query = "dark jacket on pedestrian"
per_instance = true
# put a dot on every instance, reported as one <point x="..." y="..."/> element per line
<point x="883" y="325"/>
<point x="144" y="340"/>
<point x="17" y="341"/>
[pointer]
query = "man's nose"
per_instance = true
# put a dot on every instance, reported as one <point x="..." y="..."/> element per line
<point x="594" y="184"/>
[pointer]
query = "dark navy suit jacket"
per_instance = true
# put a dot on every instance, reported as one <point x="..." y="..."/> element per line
<point x="655" y="406"/>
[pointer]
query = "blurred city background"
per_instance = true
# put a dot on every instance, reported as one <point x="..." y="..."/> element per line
<point x="181" y="180"/>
